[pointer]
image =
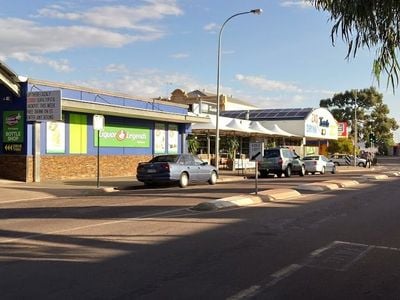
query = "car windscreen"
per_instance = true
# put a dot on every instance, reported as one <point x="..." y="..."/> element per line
<point x="272" y="153"/>
<point x="165" y="158"/>
<point x="310" y="158"/>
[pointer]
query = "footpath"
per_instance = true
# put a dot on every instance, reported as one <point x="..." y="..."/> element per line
<point x="13" y="191"/>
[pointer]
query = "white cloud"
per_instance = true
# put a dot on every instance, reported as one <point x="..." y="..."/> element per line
<point x="180" y="55"/>
<point x="146" y="83"/>
<point x="296" y="3"/>
<point x="103" y="26"/>
<point x="115" y="68"/>
<point x="58" y="65"/>
<point x="266" y="84"/>
<point x="119" y="16"/>
<point x="211" y="27"/>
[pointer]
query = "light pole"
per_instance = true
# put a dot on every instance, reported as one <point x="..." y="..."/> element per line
<point x="256" y="11"/>
<point x="355" y="131"/>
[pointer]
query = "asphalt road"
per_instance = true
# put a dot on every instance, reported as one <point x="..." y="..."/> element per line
<point x="142" y="243"/>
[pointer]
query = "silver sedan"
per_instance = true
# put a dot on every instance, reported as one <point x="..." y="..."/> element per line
<point x="181" y="168"/>
<point x="318" y="164"/>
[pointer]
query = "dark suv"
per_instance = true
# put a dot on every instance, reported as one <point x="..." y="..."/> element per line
<point x="281" y="161"/>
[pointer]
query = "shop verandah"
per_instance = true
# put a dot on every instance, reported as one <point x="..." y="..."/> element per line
<point x="241" y="144"/>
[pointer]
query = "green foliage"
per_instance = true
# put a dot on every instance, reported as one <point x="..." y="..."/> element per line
<point x="371" y="24"/>
<point x="193" y="144"/>
<point x="343" y="146"/>
<point x="372" y="115"/>
<point x="233" y="144"/>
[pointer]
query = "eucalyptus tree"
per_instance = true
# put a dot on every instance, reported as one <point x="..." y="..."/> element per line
<point x="372" y="115"/>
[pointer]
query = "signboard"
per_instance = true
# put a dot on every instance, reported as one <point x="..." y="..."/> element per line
<point x="13" y="126"/>
<point x="321" y="124"/>
<point x="342" y="130"/>
<point x="13" y="131"/>
<point x="98" y="122"/>
<point x="117" y="136"/>
<point x="173" y="139"/>
<point x="159" y="138"/>
<point x="55" y="137"/>
<point x="43" y="106"/>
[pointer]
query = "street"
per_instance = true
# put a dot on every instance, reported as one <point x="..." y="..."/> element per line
<point x="147" y="243"/>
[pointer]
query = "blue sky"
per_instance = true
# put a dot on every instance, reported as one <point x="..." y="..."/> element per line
<point x="281" y="58"/>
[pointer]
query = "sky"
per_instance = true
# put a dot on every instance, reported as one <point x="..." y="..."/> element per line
<point x="282" y="58"/>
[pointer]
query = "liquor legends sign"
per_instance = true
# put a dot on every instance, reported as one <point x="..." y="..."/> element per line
<point x="127" y="136"/>
<point x="44" y="106"/>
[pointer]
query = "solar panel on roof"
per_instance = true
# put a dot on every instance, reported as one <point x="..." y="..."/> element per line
<point x="270" y="113"/>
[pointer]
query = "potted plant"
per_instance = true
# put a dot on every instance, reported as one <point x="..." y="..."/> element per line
<point x="193" y="144"/>
<point x="233" y="144"/>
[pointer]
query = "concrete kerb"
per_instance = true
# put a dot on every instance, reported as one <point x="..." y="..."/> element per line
<point x="246" y="200"/>
<point x="343" y="183"/>
<point x="279" y="194"/>
<point x="318" y="186"/>
<point x="327" y="185"/>
<point x="228" y="202"/>
<point x="375" y="176"/>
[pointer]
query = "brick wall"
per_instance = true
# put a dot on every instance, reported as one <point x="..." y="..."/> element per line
<point x="21" y="168"/>
<point x="85" y="166"/>
<point x="13" y="167"/>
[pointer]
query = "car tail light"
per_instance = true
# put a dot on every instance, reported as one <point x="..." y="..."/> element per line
<point x="280" y="161"/>
<point x="164" y="167"/>
<point x="314" y="162"/>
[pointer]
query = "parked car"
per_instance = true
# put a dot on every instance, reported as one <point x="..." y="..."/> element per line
<point x="181" y="168"/>
<point x="319" y="163"/>
<point x="347" y="160"/>
<point x="279" y="161"/>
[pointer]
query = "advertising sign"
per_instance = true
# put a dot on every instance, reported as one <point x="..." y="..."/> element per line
<point x="13" y="131"/>
<point x="98" y="122"/>
<point x="159" y="138"/>
<point x="44" y="106"/>
<point x="118" y="136"/>
<point x="173" y="139"/>
<point x="13" y="126"/>
<point x="321" y="124"/>
<point x="55" y="137"/>
<point x="342" y="130"/>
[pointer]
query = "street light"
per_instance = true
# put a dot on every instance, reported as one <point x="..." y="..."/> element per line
<point x="355" y="131"/>
<point x="256" y="11"/>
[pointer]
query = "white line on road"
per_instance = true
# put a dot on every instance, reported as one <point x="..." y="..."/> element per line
<point x="31" y="236"/>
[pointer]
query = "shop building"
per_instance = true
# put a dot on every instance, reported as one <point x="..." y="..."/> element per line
<point x="49" y="130"/>
<point x="307" y="130"/>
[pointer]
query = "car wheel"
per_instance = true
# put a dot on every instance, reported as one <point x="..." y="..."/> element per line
<point x="288" y="171"/>
<point x="213" y="178"/>
<point x="361" y="164"/>
<point x="313" y="173"/>
<point x="183" y="180"/>
<point x="263" y="173"/>
<point x="302" y="171"/>
<point x="322" y="171"/>
<point x="336" y="163"/>
<point x="334" y="170"/>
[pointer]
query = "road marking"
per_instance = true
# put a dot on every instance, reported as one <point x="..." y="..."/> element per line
<point x="247" y="293"/>
<point x="31" y="236"/>
<point x="344" y="257"/>
<point x="27" y="199"/>
<point x="285" y="272"/>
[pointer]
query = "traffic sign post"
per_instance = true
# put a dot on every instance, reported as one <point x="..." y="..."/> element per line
<point x="98" y="124"/>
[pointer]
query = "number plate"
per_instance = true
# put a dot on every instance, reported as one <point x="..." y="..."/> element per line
<point x="151" y="171"/>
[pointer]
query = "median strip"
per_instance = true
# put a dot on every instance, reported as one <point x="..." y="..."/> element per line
<point x="318" y="186"/>
<point x="246" y="200"/>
